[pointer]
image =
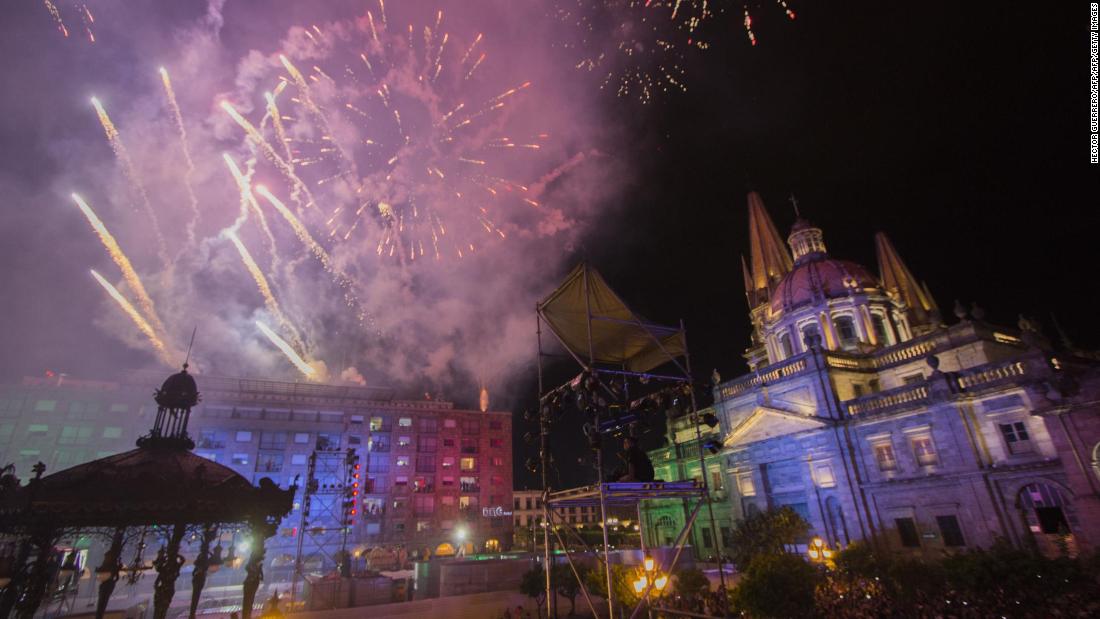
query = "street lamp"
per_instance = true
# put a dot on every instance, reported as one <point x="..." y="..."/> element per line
<point x="820" y="552"/>
<point x="649" y="573"/>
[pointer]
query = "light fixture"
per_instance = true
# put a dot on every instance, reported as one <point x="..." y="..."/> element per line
<point x="660" y="582"/>
<point x="649" y="564"/>
<point x="639" y="585"/>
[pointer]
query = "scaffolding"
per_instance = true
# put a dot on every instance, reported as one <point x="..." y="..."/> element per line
<point x="613" y="346"/>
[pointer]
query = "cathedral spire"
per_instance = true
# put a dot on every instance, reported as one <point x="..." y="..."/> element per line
<point x="770" y="259"/>
<point x="748" y="278"/>
<point x="897" y="278"/>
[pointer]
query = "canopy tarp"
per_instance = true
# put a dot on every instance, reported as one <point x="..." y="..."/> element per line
<point x="619" y="335"/>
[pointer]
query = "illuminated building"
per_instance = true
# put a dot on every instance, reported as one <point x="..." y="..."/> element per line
<point x="429" y="470"/>
<point x="872" y="418"/>
<point x="679" y="460"/>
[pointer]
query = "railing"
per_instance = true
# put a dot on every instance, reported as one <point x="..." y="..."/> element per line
<point x="916" y="350"/>
<point x="766" y="375"/>
<point x="907" y="394"/>
<point x="982" y="376"/>
<point x="845" y="362"/>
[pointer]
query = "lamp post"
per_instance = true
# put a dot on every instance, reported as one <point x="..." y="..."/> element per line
<point x="649" y="574"/>
<point x="820" y="553"/>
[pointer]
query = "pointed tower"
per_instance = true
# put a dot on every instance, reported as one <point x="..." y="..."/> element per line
<point x="770" y="260"/>
<point x="749" y="288"/>
<point x="897" y="279"/>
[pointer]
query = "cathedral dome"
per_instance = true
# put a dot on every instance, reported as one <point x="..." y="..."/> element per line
<point x="819" y="277"/>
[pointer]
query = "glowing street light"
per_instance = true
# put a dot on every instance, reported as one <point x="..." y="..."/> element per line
<point x="820" y="552"/>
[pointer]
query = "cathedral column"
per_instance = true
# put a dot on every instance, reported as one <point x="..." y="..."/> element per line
<point x="868" y="327"/>
<point x="828" y="329"/>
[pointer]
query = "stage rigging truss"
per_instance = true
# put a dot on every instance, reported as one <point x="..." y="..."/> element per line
<point x="613" y="345"/>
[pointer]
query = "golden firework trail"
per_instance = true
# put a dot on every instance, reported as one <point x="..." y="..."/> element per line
<point x="269" y="151"/>
<point x="306" y="98"/>
<point x="249" y="199"/>
<point x="56" y="15"/>
<point x="177" y="115"/>
<point x="142" y="324"/>
<point x="124" y="265"/>
<point x="300" y="363"/>
<point x="123" y="155"/>
<point x="265" y="289"/>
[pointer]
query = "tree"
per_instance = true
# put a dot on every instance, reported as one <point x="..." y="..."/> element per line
<point x="777" y="585"/>
<point x="766" y="533"/>
<point x="533" y="585"/>
<point x="621" y="578"/>
<point x="690" y="583"/>
<point x="567" y="584"/>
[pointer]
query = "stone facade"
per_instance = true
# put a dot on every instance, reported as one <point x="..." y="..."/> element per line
<point x="876" y="421"/>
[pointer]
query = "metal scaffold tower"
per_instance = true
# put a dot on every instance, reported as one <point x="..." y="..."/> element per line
<point x="330" y="503"/>
<point x="618" y="352"/>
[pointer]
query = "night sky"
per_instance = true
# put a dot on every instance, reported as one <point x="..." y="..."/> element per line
<point x="959" y="129"/>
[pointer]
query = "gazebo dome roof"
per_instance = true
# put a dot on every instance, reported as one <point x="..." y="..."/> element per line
<point x="148" y="485"/>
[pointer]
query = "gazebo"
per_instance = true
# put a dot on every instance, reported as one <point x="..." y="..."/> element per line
<point x="161" y="488"/>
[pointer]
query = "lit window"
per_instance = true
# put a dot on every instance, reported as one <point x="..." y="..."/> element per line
<point x="468" y="464"/>
<point x="496" y="443"/>
<point x="746" y="485"/>
<point x="448" y="481"/>
<point x="240" y="459"/>
<point x="403" y="441"/>
<point x="38" y="428"/>
<point x="244" y="436"/>
<point x="912" y="379"/>
<point x="45" y="406"/>
<point x="405" y="422"/>
<point x="823" y="474"/>
<point x="400" y="480"/>
<point x="924" y="450"/>
<point x="357" y="419"/>
<point x="498" y="461"/>
<point x="376" y="424"/>
<point x="1016" y="437"/>
<point x="449" y="423"/>
<point x="884" y="456"/>
<point x="298" y="459"/>
<point x="301" y="438"/>
<point x="402" y="461"/>
<point x="448" y="462"/>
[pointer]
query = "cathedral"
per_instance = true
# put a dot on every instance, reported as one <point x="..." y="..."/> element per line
<point x="876" y="418"/>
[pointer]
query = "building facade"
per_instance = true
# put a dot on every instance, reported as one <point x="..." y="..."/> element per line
<point x="663" y="519"/>
<point x="433" y="478"/>
<point x="875" y="420"/>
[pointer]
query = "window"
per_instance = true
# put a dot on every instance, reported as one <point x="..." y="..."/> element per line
<point x="912" y="379"/>
<point x="707" y="541"/>
<point x="298" y="459"/>
<point x="785" y="349"/>
<point x="495" y="425"/>
<point x="846" y="331"/>
<point x="405" y="422"/>
<point x="37" y="428"/>
<point x="379" y="444"/>
<point x="496" y="443"/>
<point x="924" y="450"/>
<point x="448" y="481"/>
<point x="426" y="444"/>
<point x="425" y="464"/>
<point x="272" y="440"/>
<point x="211" y="439"/>
<point x="423" y="505"/>
<point x="884" y="456"/>
<point x="354" y="439"/>
<point x="404" y="441"/>
<point x="402" y="461"/>
<point x="427" y="424"/>
<point x="401" y="481"/>
<point x="376" y="424"/>
<point x="467" y="502"/>
<point x="810" y="335"/>
<point x="269" y="463"/>
<point x="120" y="408"/>
<point x="716" y="480"/>
<point x="498" y="461"/>
<point x="327" y="441"/>
<point x="423" y="525"/>
<point x="447" y="499"/>
<point x="448" y="462"/>
<point x="244" y="436"/>
<point x="471" y="426"/>
<point x="213" y="457"/>
<point x="301" y="438"/>
<point x="878" y="325"/>
<point x="469" y="446"/>
<point x="907" y="531"/>
<point x="745" y="484"/>
<point x="73" y="435"/>
<point x="399" y="527"/>
<point x="240" y="459"/>
<point x="423" y="483"/>
<point x="45" y="406"/>
<point x="468" y="464"/>
<point x="857" y="389"/>
<point x="950" y="531"/>
<point x="468" y="484"/>
<point x="448" y="442"/>
<point x="1016" y="437"/>
<point x="357" y="419"/>
<point x="449" y="423"/>
<point x="496" y="480"/>
<point x="378" y="464"/>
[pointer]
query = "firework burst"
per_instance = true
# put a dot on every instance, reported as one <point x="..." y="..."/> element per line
<point x="400" y="133"/>
<point x="84" y="16"/>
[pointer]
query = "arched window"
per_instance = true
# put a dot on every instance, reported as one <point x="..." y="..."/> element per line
<point x="879" y="325"/>
<point x="785" y="350"/>
<point x="846" y="331"/>
<point x="811" y="336"/>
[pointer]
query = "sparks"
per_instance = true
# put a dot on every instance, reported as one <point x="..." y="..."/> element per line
<point x="142" y="324"/>
<point x="308" y="370"/>
<point x="188" y="176"/>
